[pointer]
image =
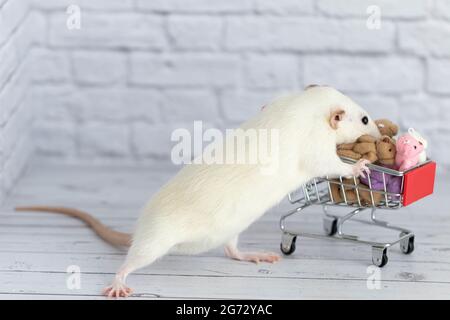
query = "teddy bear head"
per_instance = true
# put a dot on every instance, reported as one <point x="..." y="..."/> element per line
<point x="368" y="147"/>
<point x="386" y="127"/>
<point x="386" y="150"/>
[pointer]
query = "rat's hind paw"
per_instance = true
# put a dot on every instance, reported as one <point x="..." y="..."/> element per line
<point x="117" y="291"/>
<point x="257" y="257"/>
<point x="360" y="168"/>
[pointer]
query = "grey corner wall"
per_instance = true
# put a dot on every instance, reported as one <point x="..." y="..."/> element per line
<point x="113" y="91"/>
<point x="18" y="31"/>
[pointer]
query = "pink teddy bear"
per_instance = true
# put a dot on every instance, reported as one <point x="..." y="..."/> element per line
<point x="408" y="152"/>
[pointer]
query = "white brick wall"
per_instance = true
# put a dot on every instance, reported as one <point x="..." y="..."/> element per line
<point x="113" y="91"/>
<point x="382" y="75"/>
<point x="411" y="9"/>
<point x="15" y="65"/>
<point x="99" y="68"/>
<point x="138" y="68"/>
<point x="184" y="69"/>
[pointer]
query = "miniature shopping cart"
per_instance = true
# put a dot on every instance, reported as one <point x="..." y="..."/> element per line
<point x="415" y="183"/>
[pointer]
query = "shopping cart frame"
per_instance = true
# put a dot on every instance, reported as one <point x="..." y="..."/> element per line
<point x="317" y="192"/>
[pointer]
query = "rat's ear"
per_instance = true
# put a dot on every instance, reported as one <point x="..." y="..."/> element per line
<point x="336" y="116"/>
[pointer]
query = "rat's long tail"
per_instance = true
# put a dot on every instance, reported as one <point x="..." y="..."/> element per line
<point x="109" y="235"/>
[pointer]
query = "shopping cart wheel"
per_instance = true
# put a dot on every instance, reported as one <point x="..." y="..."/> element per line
<point x="379" y="256"/>
<point x="407" y="245"/>
<point x="287" y="245"/>
<point x="330" y="225"/>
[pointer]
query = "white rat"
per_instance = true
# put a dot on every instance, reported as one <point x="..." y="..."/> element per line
<point x="205" y="206"/>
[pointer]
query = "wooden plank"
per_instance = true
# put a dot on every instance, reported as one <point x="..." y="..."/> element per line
<point x="25" y="221"/>
<point x="224" y="287"/>
<point x="215" y="266"/>
<point x="261" y="236"/>
<point x="36" y="248"/>
<point x="40" y="296"/>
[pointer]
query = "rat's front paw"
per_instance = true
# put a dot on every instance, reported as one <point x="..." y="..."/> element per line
<point x="360" y="168"/>
<point x="117" y="291"/>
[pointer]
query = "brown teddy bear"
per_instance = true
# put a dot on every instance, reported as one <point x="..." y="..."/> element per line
<point x="351" y="195"/>
<point x="386" y="151"/>
<point x="381" y="151"/>
<point x="365" y="146"/>
<point x="387" y="127"/>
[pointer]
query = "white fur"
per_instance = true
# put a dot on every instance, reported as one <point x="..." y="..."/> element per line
<point x="205" y="206"/>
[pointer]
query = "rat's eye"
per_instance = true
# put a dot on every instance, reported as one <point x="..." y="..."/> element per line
<point x="365" y="120"/>
<point x="415" y="147"/>
<point x="390" y="150"/>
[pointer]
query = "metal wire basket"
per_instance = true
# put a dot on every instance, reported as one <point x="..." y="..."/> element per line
<point x="392" y="190"/>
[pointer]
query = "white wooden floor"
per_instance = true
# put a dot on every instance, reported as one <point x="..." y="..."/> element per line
<point x="37" y="248"/>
